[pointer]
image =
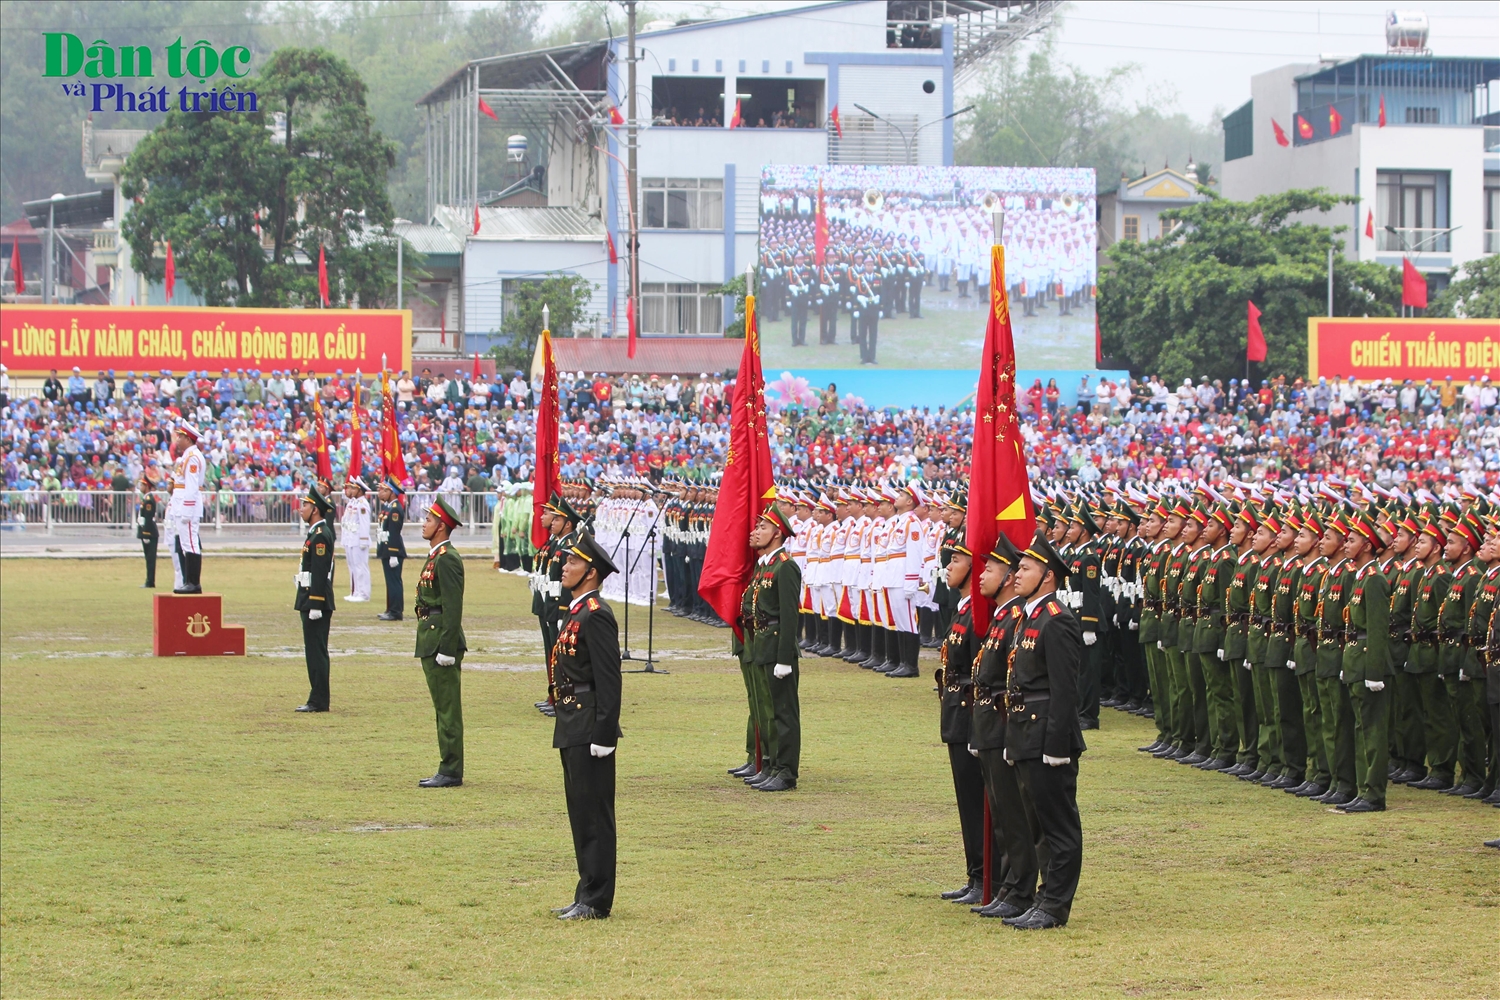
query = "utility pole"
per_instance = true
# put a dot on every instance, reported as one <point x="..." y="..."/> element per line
<point x="630" y="172"/>
<point x="1330" y="281"/>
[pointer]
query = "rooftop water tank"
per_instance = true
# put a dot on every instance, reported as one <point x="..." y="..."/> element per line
<point x="515" y="148"/>
<point x="1406" y="31"/>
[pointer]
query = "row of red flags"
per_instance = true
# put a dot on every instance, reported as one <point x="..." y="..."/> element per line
<point x="1305" y="127"/>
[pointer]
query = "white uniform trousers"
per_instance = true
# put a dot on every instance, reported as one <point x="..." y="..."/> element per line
<point x="358" y="557"/>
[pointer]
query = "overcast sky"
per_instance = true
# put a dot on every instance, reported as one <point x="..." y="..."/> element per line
<point x="1200" y="56"/>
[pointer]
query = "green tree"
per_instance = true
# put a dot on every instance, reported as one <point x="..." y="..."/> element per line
<point x="307" y="170"/>
<point x="1177" y="306"/>
<point x="735" y="286"/>
<point x="1476" y="295"/>
<point x="566" y="297"/>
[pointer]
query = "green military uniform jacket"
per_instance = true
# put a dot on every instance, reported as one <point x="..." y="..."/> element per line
<point x="1237" y="597"/>
<point x="1152" y="566"/>
<point x="1429" y="589"/>
<point x="1309" y="585"/>
<point x="1453" y="617"/>
<point x="1175" y="565"/>
<point x="1262" y="600"/>
<point x="1332" y="596"/>
<point x="1213" y="588"/>
<point x="1283" y="629"/>
<point x="1187" y="598"/>
<point x="769" y="610"/>
<point x="586" y="663"/>
<point x="1401" y="576"/>
<point x="145" y="522"/>
<point x="440" y="604"/>
<point x="1479" y="620"/>
<point x="1367" y="624"/>
<point x="315" y="581"/>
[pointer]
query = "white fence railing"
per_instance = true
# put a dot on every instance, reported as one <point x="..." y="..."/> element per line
<point x="226" y="510"/>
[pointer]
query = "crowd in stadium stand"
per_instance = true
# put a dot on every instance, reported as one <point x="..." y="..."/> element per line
<point x="461" y="434"/>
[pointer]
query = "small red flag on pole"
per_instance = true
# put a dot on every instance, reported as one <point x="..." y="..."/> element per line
<point x="323" y="277"/>
<point x="1098" y="343"/>
<point x="1370" y="223"/>
<point x="615" y="118"/>
<point x="1304" y="127"/>
<point x="16" y="270"/>
<point x="1382" y="111"/>
<point x="1281" y="139"/>
<point x="609" y="242"/>
<point x="736" y="121"/>
<point x="322" y="463"/>
<point x="1255" y="342"/>
<point x="169" y="277"/>
<point x="1335" y="120"/>
<point x="838" y="126"/>
<point x="485" y="109"/>
<point x="476" y="374"/>
<point x="476" y="219"/>
<point x="1413" y="286"/>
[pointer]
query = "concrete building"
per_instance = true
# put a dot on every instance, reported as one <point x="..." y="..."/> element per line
<point x="717" y="100"/>
<point x="1413" y="137"/>
<point x="1132" y="211"/>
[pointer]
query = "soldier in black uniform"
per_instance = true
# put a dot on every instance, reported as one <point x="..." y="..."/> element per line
<point x="390" y="548"/>
<point x="315" y="596"/>
<point x="586" y="664"/>
<point x="146" y="530"/>
<point x="829" y="294"/>
<point x="555" y="596"/>
<point x="1042" y="737"/>
<point x="1091" y="607"/>
<point x="799" y="289"/>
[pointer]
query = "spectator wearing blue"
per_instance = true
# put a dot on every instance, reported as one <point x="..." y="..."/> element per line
<point x="78" y="389"/>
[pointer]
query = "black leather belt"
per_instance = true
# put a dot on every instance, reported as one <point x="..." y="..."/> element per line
<point x="424" y="610"/>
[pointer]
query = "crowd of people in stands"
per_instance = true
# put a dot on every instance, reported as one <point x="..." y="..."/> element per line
<point x="464" y="434"/>
<point x="710" y="119"/>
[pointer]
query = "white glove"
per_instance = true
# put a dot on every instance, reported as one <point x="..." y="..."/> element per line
<point x="1056" y="761"/>
<point x="1291" y="664"/>
<point x="394" y="561"/>
<point x="1134" y="626"/>
<point x="1461" y="675"/>
<point x="1247" y="666"/>
<point x="595" y="750"/>
<point x="1160" y="645"/>
<point x="304" y="579"/>
<point x="1089" y="638"/>
<point x="782" y="672"/>
<point x="1376" y="685"/>
<point x="444" y="661"/>
<point x="1341" y="677"/>
<point x="1221" y="654"/>
<point x="314" y="615"/>
<point x="973" y="752"/>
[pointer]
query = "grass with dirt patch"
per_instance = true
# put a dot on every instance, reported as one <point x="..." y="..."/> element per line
<point x="172" y="828"/>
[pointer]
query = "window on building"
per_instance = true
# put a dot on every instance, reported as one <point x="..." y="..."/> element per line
<point x="681" y="309"/>
<point x="687" y="100"/>
<point x="1411" y="211"/>
<point x="1492" y="213"/>
<point x="1239" y="132"/>
<point x="1132" y="230"/>
<point x="781" y="103"/>
<point x="682" y="203"/>
<point x="1421" y="116"/>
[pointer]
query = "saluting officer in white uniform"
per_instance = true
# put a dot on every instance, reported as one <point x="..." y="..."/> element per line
<point x="185" y="510"/>
<point x="355" y="523"/>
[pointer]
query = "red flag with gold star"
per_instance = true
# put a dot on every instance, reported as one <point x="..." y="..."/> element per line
<point x="999" y="491"/>
<point x="546" y="475"/>
<point x="743" y="490"/>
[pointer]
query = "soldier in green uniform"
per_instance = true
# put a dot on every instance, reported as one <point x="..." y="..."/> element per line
<point x="1090" y="601"/>
<point x="769" y="654"/>
<point x="1189" y="679"/>
<point x="1485" y="598"/>
<point x="146" y="530"/>
<point x="1246" y="536"/>
<point x="1333" y="697"/>
<point x="1311" y="565"/>
<point x="390" y="548"/>
<point x="315" y="596"/>
<point x="1366" y="666"/>
<point x="1491" y="659"/>
<point x="586" y="664"/>
<point x="1174" y="699"/>
<point x="440" y="640"/>
<point x="1042" y="738"/>
<point x="1408" y="747"/>
<point x="1219" y="681"/>
<point x="1439" y="737"/>
<point x="1287" y="738"/>
<point x="1455" y="660"/>
<point x="1152" y="569"/>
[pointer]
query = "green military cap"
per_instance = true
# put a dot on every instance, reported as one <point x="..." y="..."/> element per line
<point x="778" y="521"/>
<point x="1124" y="510"/>
<point x="441" y="510"/>
<point x="1085" y="517"/>
<point x="318" y="500"/>
<point x="1042" y="551"/>
<point x="564" y="509"/>
<point x="587" y="548"/>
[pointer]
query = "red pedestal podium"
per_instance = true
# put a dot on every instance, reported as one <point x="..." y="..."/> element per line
<point x="193" y="625"/>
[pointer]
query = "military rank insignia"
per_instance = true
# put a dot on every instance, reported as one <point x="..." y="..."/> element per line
<point x="593" y="604"/>
<point x="1053" y="609"/>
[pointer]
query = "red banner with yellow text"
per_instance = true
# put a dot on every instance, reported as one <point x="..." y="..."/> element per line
<point x="37" y="339"/>
<point x="1381" y="347"/>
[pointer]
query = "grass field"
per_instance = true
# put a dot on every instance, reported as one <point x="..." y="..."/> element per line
<point x="172" y="828"/>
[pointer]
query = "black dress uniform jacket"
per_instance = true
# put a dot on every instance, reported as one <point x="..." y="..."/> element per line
<point x="955" y="682"/>
<point x="317" y="562"/>
<point x="586" y="663"/>
<point x="1043" y="690"/>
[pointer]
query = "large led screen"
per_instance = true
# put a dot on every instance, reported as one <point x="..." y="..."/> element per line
<point x="888" y="266"/>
